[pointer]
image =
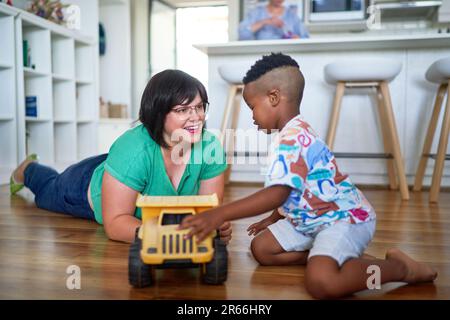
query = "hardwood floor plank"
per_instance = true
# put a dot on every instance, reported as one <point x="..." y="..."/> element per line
<point x="37" y="246"/>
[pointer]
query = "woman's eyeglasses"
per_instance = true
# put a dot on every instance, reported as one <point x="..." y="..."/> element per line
<point x="184" y="112"/>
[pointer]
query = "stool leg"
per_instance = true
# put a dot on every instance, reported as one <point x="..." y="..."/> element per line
<point x="227" y="175"/>
<point x="236" y="107"/>
<point x="429" y="137"/>
<point x="227" y="112"/>
<point x="226" y="118"/>
<point x="442" y="149"/>
<point x="395" y="141"/>
<point x="340" y="89"/>
<point x="386" y="141"/>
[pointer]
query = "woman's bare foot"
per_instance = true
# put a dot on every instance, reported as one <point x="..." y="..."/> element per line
<point x="18" y="173"/>
<point x="415" y="271"/>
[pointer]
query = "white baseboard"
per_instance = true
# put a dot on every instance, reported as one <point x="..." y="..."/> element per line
<point x="252" y="173"/>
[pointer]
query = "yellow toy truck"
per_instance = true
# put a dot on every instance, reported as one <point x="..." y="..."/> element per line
<point x="158" y="243"/>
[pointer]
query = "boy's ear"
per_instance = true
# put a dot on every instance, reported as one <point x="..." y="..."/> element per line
<point x="274" y="97"/>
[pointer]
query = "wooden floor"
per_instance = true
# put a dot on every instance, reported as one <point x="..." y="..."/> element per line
<point x="37" y="246"/>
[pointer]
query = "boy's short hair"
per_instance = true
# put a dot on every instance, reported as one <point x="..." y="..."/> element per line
<point x="268" y="63"/>
<point x="165" y="90"/>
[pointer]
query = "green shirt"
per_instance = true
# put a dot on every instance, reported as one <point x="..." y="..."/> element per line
<point x="135" y="159"/>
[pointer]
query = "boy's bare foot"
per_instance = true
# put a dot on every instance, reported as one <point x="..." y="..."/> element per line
<point x="415" y="271"/>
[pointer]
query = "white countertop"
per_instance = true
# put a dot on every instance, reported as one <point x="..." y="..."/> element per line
<point x="330" y="44"/>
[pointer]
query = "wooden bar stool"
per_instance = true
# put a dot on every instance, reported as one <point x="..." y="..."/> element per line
<point x="438" y="72"/>
<point x="375" y="73"/>
<point x="233" y="75"/>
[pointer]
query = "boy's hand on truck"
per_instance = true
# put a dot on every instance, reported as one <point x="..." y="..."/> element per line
<point x="202" y="224"/>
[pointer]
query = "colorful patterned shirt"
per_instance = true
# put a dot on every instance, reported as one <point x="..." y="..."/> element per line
<point x="321" y="195"/>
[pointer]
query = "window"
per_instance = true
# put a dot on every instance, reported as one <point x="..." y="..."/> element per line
<point x="199" y="25"/>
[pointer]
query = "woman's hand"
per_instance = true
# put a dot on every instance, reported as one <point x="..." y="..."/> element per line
<point x="257" y="227"/>
<point x="275" y="21"/>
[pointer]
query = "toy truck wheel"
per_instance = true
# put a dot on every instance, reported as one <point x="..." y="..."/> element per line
<point x="140" y="275"/>
<point x="216" y="271"/>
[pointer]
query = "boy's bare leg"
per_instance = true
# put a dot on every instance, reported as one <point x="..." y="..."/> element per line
<point x="267" y="251"/>
<point x="325" y="280"/>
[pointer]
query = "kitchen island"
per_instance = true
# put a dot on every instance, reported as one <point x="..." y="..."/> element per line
<point x="358" y="130"/>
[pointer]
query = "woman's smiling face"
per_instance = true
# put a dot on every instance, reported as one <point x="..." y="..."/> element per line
<point x="185" y="121"/>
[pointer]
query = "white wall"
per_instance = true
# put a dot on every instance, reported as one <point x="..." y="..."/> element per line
<point x="22" y="4"/>
<point x="444" y="12"/>
<point x="139" y="52"/>
<point x="115" y="65"/>
<point x="89" y="16"/>
<point x="233" y="19"/>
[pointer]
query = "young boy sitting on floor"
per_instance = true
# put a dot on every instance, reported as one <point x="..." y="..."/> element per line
<point x="319" y="217"/>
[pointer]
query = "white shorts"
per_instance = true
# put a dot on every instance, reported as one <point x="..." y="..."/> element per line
<point x="341" y="241"/>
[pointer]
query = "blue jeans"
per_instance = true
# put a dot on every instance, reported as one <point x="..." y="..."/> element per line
<point x="65" y="192"/>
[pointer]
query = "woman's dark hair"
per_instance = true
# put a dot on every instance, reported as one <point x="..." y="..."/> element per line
<point x="164" y="91"/>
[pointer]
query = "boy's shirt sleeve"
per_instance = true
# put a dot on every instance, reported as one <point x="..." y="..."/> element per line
<point x="214" y="159"/>
<point x="286" y="164"/>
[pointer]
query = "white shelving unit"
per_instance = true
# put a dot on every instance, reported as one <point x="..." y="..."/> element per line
<point x="8" y="127"/>
<point x="62" y="76"/>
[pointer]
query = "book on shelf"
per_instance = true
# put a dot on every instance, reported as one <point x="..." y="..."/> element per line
<point x="31" y="107"/>
<point x="26" y="54"/>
